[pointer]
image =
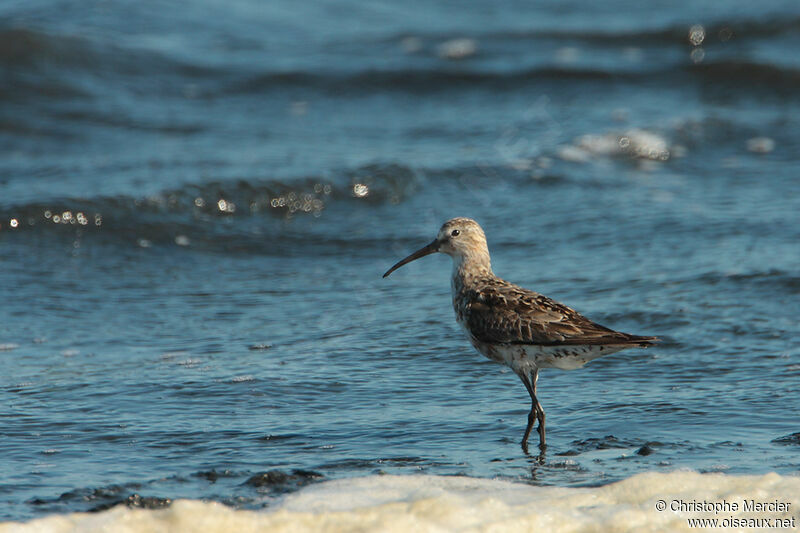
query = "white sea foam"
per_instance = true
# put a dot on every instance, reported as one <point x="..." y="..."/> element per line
<point x="760" y="145"/>
<point x="436" y="503"/>
<point x="634" y="143"/>
<point x="458" y="48"/>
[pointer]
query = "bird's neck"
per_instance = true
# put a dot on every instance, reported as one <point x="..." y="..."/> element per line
<point x="470" y="267"/>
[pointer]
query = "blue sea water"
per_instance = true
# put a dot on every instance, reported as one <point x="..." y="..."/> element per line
<point x="198" y="199"/>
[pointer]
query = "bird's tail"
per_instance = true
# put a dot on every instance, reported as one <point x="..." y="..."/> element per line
<point x="641" y="340"/>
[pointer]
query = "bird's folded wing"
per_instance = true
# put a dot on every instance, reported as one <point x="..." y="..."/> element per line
<point x="511" y="314"/>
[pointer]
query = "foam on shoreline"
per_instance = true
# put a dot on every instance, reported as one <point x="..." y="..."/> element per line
<point x="440" y="503"/>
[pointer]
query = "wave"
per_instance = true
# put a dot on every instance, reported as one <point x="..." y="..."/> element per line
<point x="23" y="46"/>
<point x="676" y="33"/>
<point x="43" y="64"/>
<point x="729" y="76"/>
<point x="204" y="213"/>
<point x="252" y="216"/>
<point x="651" y="500"/>
<point x="96" y="499"/>
<point x="31" y="47"/>
<point x="746" y="74"/>
<point x="420" y="80"/>
<point x="48" y="64"/>
<point x="780" y="279"/>
<point x="215" y="206"/>
<point x="104" y="498"/>
<point x="26" y="45"/>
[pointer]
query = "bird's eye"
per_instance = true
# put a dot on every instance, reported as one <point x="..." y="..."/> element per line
<point x="455" y="233"/>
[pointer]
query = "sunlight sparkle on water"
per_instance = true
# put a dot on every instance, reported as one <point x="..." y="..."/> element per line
<point x="697" y="34"/>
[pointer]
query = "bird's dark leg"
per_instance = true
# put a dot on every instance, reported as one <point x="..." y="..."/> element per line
<point x="537" y="413"/>
<point x="539" y="410"/>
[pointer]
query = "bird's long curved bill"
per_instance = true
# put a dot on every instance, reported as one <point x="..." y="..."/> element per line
<point x="422" y="252"/>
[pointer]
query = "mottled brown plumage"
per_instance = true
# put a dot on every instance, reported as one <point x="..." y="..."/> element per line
<point x="500" y="312"/>
<point x="514" y="326"/>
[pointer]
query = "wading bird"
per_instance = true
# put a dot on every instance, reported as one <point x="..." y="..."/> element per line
<point x="521" y="329"/>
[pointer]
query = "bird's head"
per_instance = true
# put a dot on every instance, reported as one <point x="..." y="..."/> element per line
<point x="460" y="238"/>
